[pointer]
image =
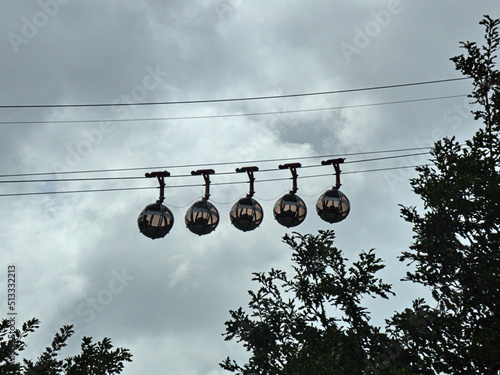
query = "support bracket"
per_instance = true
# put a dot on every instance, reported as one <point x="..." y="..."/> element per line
<point x="206" y="176"/>
<point x="293" y="168"/>
<point x="249" y="171"/>
<point x="161" y="180"/>
<point x="336" y="165"/>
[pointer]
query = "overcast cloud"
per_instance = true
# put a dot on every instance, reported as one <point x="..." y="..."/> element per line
<point x="80" y="257"/>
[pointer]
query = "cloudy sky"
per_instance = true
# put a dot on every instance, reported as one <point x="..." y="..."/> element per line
<point x="80" y="258"/>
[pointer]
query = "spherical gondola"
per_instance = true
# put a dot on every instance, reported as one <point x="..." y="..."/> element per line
<point x="290" y="210"/>
<point x="155" y="221"/>
<point x="246" y="214"/>
<point x="333" y="206"/>
<point x="202" y="218"/>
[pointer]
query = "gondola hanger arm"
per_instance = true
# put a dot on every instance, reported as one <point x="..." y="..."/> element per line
<point x="206" y="176"/>
<point x="336" y="165"/>
<point x="161" y="180"/>
<point x="251" y="178"/>
<point x="293" y="168"/>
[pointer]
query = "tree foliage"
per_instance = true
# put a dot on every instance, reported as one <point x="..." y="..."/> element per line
<point x="313" y="322"/>
<point x="456" y="243"/>
<point x="95" y="358"/>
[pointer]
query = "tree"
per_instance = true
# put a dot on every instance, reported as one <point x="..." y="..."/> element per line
<point x="94" y="359"/>
<point x="292" y="329"/>
<point x="314" y="322"/>
<point x="456" y="248"/>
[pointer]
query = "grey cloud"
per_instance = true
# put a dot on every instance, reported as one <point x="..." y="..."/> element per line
<point x="172" y="312"/>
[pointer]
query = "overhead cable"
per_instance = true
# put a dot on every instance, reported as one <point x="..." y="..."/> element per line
<point x="197" y="185"/>
<point x="228" y="115"/>
<point x="200" y="101"/>
<point x="212" y="164"/>
<point x="189" y="175"/>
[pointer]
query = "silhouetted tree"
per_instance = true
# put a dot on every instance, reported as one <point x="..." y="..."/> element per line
<point x="456" y="243"/>
<point x="314" y="322"/>
<point x="95" y="358"/>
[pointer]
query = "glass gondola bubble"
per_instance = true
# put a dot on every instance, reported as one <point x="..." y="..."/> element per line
<point x="202" y="218"/>
<point x="155" y="221"/>
<point x="290" y="210"/>
<point x="246" y="214"/>
<point x="333" y="206"/>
